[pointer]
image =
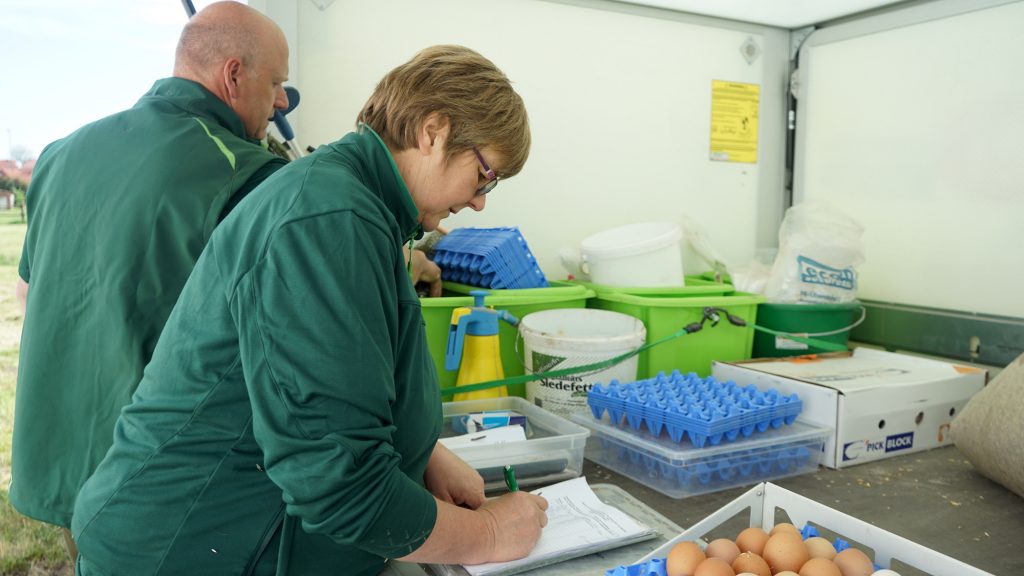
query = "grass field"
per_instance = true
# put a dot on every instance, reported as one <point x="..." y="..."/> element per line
<point x="27" y="547"/>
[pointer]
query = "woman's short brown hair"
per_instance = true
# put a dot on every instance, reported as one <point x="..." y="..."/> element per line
<point x="461" y="85"/>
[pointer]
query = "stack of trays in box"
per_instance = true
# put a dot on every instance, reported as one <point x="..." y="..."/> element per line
<point x="488" y="257"/>
<point x="684" y="435"/>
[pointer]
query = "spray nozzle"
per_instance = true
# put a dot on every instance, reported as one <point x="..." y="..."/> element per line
<point x="478" y="320"/>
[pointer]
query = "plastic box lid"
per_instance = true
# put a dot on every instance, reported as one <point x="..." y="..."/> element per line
<point x="666" y="450"/>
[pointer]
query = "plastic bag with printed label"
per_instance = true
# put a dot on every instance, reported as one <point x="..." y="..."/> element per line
<point x="820" y="248"/>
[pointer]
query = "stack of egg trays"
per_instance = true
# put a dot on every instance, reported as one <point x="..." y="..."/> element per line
<point x="703" y="409"/>
<point x="495" y="258"/>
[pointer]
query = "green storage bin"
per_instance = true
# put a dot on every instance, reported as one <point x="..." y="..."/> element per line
<point x="829" y="322"/>
<point x="667" y="313"/>
<point x="437" y="314"/>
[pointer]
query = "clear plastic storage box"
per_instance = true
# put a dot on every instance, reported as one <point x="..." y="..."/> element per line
<point x="680" y="470"/>
<point x="552" y="451"/>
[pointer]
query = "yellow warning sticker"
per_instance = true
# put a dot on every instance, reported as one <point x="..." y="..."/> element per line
<point x="734" y="114"/>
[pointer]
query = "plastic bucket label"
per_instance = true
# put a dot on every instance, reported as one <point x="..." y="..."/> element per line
<point x="566" y="338"/>
<point x="783" y="343"/>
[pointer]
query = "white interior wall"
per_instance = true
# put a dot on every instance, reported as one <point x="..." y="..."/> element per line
<point x="619" y="99"/>
<point x="912" y="123"/>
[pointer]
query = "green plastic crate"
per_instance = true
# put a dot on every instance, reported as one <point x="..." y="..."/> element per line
<point x="667" y="313"/>
<point x="437" y="313"/>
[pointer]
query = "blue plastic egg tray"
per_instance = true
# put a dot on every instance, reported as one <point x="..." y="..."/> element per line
<point x="653" y="567"/>
<point x="703" y="409"/>
<point x="494" y="258"/>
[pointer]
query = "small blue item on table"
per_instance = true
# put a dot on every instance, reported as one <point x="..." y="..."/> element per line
<point x="478" y="421"/>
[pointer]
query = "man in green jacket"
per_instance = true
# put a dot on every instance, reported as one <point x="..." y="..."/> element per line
<point x="287" y="423"/>
<point x="119" y="212"/>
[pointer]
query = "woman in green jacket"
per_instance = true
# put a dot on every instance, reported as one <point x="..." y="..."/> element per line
<point x="287" y="423"/>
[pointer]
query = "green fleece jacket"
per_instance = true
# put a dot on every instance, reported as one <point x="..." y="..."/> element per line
<point x="291" y="406"/>
<point x="118" y="213"/>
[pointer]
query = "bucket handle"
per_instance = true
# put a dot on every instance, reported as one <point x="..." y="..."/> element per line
<point x="863" y="316"/>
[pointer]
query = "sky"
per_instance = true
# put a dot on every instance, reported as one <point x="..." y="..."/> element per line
<point x="68" y="62"/>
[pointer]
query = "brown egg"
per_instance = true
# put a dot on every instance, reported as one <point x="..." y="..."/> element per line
<point x="786" y="573"/>
<point x="819" y="567"/>
<point x="683" y="558"/>
<point x="746" y="574"/>
<point x="853" y="562"/>
<point x="714" y="567"/>
<point x="722" y="548"/>
<point x="784" y="527"/>
<point x="752" y="564"/>
<point x="785" y="551"/>
<point x="818" y="547"/>
<point x="752" y="540"/>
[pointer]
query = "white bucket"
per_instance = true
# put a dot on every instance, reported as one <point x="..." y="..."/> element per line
<point x="646" y="254"/>
<point x="563" y="338"/>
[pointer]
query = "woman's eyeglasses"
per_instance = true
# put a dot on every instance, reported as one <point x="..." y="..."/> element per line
<point x="492" y="178"/>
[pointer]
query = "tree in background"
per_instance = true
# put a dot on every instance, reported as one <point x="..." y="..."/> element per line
<point x="18" y="187"/>
<point x="21" y="154"/>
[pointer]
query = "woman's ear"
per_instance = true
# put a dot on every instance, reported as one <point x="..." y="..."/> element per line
<point x="433" y="133"/>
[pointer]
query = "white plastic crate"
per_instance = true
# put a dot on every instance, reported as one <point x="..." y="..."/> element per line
<point x="885" y="548"/>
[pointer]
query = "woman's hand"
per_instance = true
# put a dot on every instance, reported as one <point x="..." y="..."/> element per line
<point x="516" y="520"/>
<point x="451" y="480"/>
<point x="425" y="271"/>
<point x="504" y="528"/>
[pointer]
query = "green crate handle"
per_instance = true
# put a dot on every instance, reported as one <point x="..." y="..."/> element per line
<point x="711" y="314"/>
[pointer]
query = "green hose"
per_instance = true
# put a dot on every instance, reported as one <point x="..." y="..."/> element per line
<point x="710" y="315"/>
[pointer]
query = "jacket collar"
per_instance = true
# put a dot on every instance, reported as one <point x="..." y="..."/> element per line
<point x="197" y="100"/>
<point x="378" y="167"/>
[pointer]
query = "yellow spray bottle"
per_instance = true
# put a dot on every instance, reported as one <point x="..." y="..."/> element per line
<point x="474" y="349"/>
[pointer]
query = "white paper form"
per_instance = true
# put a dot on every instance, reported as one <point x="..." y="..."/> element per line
<point x="578" y="524"/>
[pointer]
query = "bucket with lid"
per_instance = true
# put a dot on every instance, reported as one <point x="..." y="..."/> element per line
<point x="565" y="338"/>
<point x="644" y="254"/>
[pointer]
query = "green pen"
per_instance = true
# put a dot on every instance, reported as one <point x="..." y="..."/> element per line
<point x="510" y="479"/>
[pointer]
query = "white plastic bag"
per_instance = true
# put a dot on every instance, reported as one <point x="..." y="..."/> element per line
<point x="820" y="249"/>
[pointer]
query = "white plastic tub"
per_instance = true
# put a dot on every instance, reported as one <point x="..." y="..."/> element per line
<point x="569" y="337"/>
<point x="641" y="255"/>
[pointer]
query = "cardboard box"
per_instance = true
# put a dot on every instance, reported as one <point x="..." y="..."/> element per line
<point x="878" y="403"/>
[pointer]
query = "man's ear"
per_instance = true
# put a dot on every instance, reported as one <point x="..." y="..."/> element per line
<point x="230" y="72"/>
<point x="433" y="133"/>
